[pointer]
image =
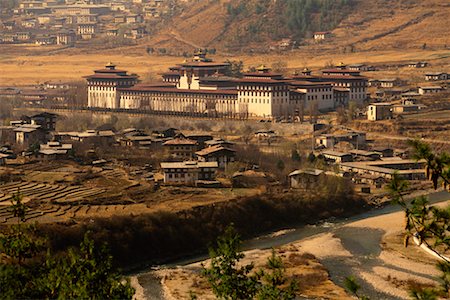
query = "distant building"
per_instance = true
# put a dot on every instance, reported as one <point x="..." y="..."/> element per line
<point x="364" y="155"/>
<point x="384" y="151"/>
<point x="27" y="135"/>
<point x="388" y="82"/>
<point x="360" y="67"/>
<point x="188" y="172"/>
<point x="437" y="76"/>
<point x="406" y="169"/>
<point x="103" y="86"/>
<point x="410" y="108"/>
<point x="426" y="90"/>
<point x="418" y="64"/>
<point x="46" y="120"/>
<point x="219" y="142"/>
<point x="54" y="150"/>
<point x="322" y="35"/>
<point x="87" y="31"/>
<point x="336" y="156"/>
<point x="183" y="149"/>
<point x="66" y="38"/>
<point x="200" y="87"/>
<point x="45" y="40"/>
<point x="218" y="154"/>
<point x="3" y="158"/>
<point x="357" y="139"/>
<point x="305" y="179"/>
<point x="379" y="111"/>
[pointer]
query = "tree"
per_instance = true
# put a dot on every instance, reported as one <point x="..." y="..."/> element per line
<point x="228" y="280"/>
<point x="428" y="224"/>
<point x="279" y="66"/>
<point x="272" y="280"/>
<point x="295" y="156"/>
<point x="235" y="69"/>
<point x="27" y="272"/>
<point x="353" y="287"/>
<point x="280" y="165"/>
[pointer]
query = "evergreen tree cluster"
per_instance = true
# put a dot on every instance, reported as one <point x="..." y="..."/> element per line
<point x="280" y="19"/>
<point x="29" y="271"/>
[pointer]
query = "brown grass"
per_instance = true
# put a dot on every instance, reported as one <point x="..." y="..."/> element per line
<point x="20" y="68"/>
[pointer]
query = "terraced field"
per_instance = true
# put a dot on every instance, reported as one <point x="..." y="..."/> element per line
<point x="42" y="191"/>
<point x="56" y="199"/>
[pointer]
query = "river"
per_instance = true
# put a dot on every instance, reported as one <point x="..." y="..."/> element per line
<point x="362" y="243"/>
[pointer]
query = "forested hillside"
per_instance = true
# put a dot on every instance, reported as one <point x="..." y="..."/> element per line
<point x="255" y="25"/>
<point x="257" y="21"/>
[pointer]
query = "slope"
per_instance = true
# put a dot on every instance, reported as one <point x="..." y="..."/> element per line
<point x="254" y="25"/>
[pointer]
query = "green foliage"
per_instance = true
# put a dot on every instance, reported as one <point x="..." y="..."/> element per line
<point x="28" y="273"/>
<point x="352" y="286"/>
<point x="34" y="148"/>
<point x="280" y="165"/>
<point x="230" y="280"/>
<point x="295" y="156"/>
<point x="236" y="68"/>
<point x="438" y="165"/>
<point x="84" y="273"/>
<point x="431" y="225"/>
<point x="275" y="278"/>
<point x="281" y="19"/>
<point x="227" y="279"/>
<point x="305" y="16"/>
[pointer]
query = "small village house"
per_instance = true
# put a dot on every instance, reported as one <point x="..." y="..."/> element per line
<point x="336" y="156"/>
<point x="426" y="90"/>
<point x="379" y="111"/>
<point x="27" y="135"/>
<point x="364" y="155"/>
<point x="219" y="142"/>
<point x="322" y="35"/>
<point x="218" y="154"/>
<point x="305" y="179"/>
<point x="384" y="151"/>
<point x="357" y="139"/>
<point x="46" y="120"/>
<point x="406" y="108"/>
<point x="188" y="172"/>
<point x="418" y="64"/>
<point x="437" y="76"/>
<point x="54" y="150"/>
<point x="389" y="82"/>
<point x="406" y="169"/>
<point x="3" y="158"/>
<point x="181" y="148"/>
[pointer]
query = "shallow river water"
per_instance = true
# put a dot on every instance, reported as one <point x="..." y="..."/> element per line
<point x="363" y="243"/>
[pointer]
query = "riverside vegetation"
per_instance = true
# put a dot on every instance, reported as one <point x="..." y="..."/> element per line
<point x="164" y="236"/>
<point x="29" y="270"/>
<point x="429" y="224"/>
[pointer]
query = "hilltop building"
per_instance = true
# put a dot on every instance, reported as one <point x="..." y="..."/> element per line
<point x="103" y="85"/>
<point x="202" y="87"/>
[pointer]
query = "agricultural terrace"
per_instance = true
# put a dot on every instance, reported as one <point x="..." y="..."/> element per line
<point x="63" y="190"/>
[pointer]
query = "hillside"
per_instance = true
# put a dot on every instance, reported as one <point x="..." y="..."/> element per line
<point x="231" y="25"/>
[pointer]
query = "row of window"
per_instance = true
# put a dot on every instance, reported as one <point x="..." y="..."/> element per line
<point x="263" y="87"/>
<point x="184" y="96"/>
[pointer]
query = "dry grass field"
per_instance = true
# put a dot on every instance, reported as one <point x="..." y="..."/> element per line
<point x="25" y="66"/>
<point x="60" y="191"/>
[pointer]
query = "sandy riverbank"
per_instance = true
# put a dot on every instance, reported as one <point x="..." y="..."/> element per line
<point x="370" y="249"/>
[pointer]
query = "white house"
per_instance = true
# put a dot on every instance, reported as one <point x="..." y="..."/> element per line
<point x="188" y="172"/>
<point x="379" y="111"/>
<point x="425" y="90"/>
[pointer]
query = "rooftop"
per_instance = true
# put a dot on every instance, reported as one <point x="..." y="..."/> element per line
<point x="188" y="165"/>
<point x="213" y="149"/>
<point x="180" y="142"/>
